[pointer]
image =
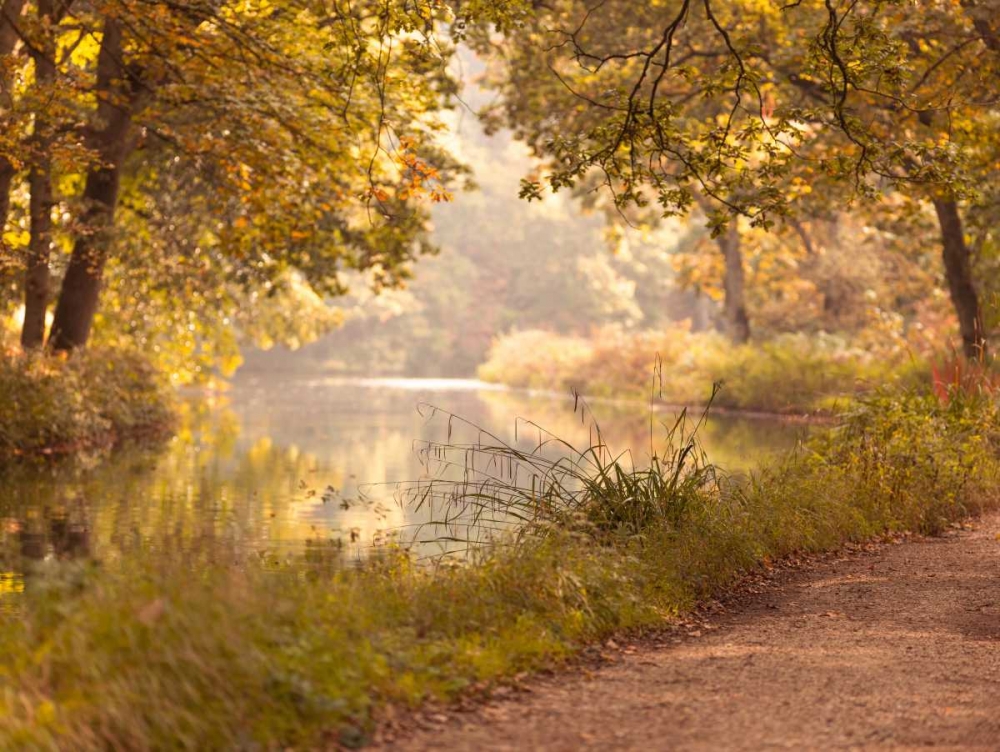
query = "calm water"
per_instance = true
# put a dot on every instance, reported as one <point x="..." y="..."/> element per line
<point x="264" y="470"/>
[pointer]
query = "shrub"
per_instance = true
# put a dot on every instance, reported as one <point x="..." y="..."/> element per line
<point x="790" y="373"/>
<point x="535" y="359"/>
<point x="52" y="404"/>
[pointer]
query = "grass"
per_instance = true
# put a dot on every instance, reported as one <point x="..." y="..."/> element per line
<point x="792" y="373"/>
<point x="203" y="655"/>
<point x="50" y="404"/>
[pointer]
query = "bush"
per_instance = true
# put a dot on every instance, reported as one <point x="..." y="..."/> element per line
<point x="796" y="372"/>
<point x="54" y="404"/>
<point x="791" y="373"/>
<point x="535" y="359"/>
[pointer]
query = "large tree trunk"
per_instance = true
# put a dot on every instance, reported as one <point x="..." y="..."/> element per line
<point x="734" y="283"/>
<point x="36" y="278"/>
<point x="9" y="13"/>
<point x="983" y="17"/>
<point x="81" y="286"/>
<point x="958" y="271"/>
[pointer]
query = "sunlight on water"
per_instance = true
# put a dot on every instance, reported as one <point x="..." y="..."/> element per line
<point x="414" y="385"/>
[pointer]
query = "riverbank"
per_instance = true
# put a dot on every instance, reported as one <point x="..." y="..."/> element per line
<point x="51" y="405"/>
<point x="881" y="647"/>
<point x="207" y="652"/>
<point x="788" y="375"/>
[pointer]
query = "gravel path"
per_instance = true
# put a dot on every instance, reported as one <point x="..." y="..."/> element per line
<point x="896" y="648"/>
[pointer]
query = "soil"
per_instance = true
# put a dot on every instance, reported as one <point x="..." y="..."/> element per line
<point x="886" y="647"/>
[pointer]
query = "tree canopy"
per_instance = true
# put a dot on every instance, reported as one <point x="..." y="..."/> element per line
<point x="221" y="152"/>
<point x="216" y="168"/>
<point x="765" y="110"/>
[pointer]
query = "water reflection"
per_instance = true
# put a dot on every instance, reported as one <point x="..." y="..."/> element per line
<point x="266" y="471"/>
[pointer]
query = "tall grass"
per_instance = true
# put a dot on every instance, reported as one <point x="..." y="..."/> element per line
<point x="587" y="543"/>
<point x="514" y="491"/>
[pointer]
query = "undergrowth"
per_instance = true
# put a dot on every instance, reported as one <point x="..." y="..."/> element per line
<point x="51" y="404"/>
<point x="588" y="543"/>
<point x="792" y="373"/>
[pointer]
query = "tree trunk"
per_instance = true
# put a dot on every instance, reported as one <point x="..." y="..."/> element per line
<point x="36" y="278"/>
<point x="701" y="314"/>
<point x="9" y="13"/>
<point x="117" y="98"/>
<point x="982" y="16"/>
<point x="7" y="173"/>
<point x="734" y="307"/>
<point x="958" y="271"/>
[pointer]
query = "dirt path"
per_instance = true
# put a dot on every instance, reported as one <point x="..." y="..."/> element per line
<point x="893" y="649"/>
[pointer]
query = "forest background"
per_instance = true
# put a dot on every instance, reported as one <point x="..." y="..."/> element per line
<point x="186" y="181"/>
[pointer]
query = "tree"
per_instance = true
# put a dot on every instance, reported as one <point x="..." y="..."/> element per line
<point x="670" y="100"/>
<point x="120" y="94"/>
<point x="10" y="13"/>
<point x="305" y="133"/>
<point x="41" y="143"/>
